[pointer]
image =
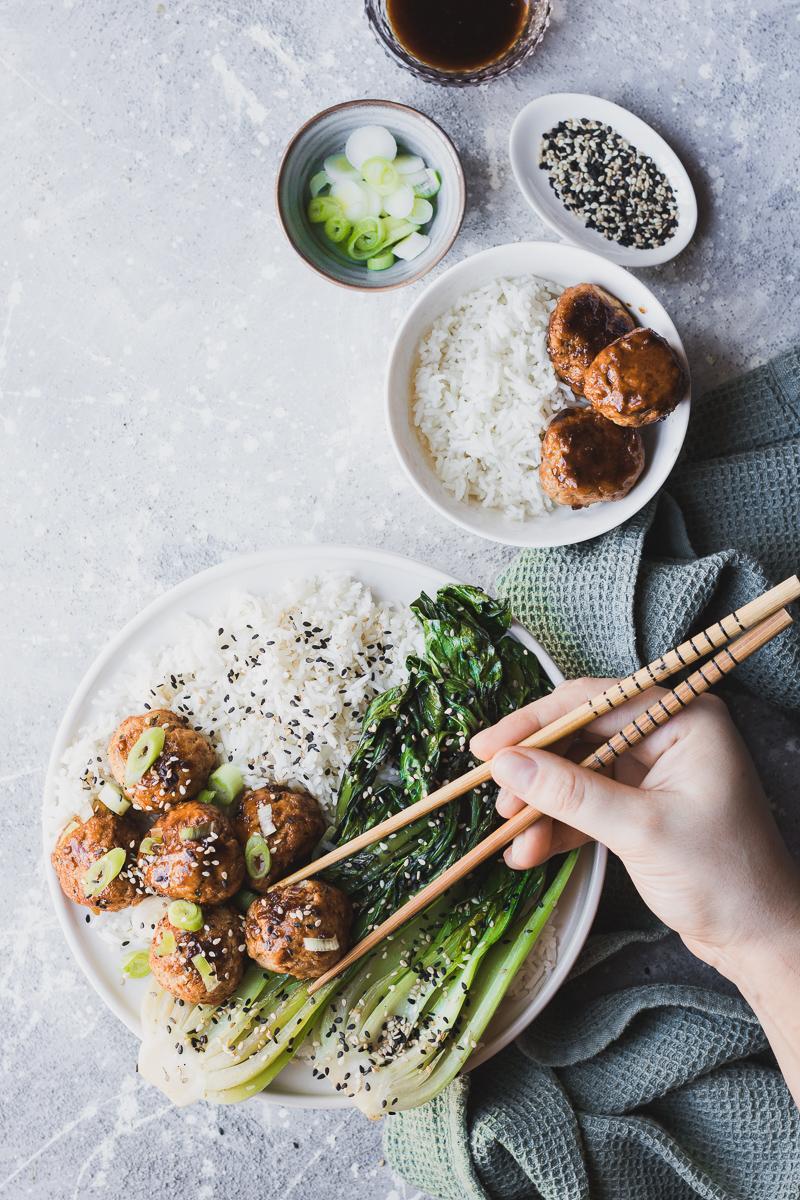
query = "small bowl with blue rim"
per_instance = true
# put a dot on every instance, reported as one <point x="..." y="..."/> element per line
<point x="326" y="134"/>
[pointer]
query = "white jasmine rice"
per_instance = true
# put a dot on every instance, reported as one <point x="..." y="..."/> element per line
<point x="484" y="390"/>
<point x="278" y="683"/>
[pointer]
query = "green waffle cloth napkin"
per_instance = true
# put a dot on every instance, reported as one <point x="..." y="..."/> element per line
<point x="665" y="1091"/>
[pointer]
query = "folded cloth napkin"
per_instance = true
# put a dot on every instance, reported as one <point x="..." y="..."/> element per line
<point x="661" y="1092"/>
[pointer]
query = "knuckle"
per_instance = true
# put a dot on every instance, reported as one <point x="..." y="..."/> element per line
<point x="713" y="705"/>
<point x="567" y="793"/>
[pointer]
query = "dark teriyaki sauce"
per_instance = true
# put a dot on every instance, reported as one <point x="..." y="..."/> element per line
<point x="457" y="35"/>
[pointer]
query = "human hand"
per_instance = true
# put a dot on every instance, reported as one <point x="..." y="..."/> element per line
<point x="684" y="810"/>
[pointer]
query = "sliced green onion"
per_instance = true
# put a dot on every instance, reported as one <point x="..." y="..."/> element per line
<point x="185" y="915"/>
<point x="422" y="211"/>
<point x="227" y="783"/>
<point x="399" y="230"/>
<point x="144" y="753"/>
<point x="194" y="833"/>
<point x="205" y="971"/>
<point x="381" y="175"/>
<point x="103" y="872"/>
<point x="146" y="845"/>
<point x="337" y="168"/>
<point x="431" y="185"/>
<point x="381" y="261"/>
<point x="257" y="856"/>
<point x="321" y="945"/>
<point x="206" y="796"/>
<point x="337" y="229"/>
<point x="409" y="164"/>
<point x="318" y="182"/>
<point x="114" y="800"/>
<point x="322" y="207"/>
<point x="244" y="899"/>
<point x="411" y="246"/>
<point x="136" y="965"/>
<point x="367" y="239"/>
<point x="166" y="944"/>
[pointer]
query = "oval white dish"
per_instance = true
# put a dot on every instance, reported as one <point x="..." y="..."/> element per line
<point x="563" y="265"/>
<point x="391" y="578"/>
<point x="543" y="114"/>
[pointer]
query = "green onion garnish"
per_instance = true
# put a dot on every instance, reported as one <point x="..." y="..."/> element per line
<point x="257" y="856"/>
<point x="144" y="753"/>
<point x="227" y="782"/>
<point x="205" y="971"/>
<point x="381" y="261"/>
<point x="368" y="237"/>
<point x="337" y="228"/>
<point x="166" y="944"/>
<point x="185" y="915"/>
<point x="371" y="183"/>
<point x="146" y="845"/>
<point x="136" y="965"/>
<point x="381" y="175"/>
<point x="322" y="207"/>
<point x="114" y="800"/>
<point x="103" y="872"/>
<point x="194" y="833"/>
<point x="206" y="796"/>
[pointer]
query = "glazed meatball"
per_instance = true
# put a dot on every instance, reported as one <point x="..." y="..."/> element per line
<point x="636" y="380"/>
<point x="82" y="844"/>
<point x="191" y="853"/>
<point x="584" y="321"/>
<point x="280" y="926"/>
<point x="220" y="940"/>
<point x="586" y="459"/>
<point x="181" y="769"/>
<point x="298" y="825"/>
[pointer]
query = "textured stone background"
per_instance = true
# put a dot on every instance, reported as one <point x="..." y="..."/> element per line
<point x="176" y="387"/>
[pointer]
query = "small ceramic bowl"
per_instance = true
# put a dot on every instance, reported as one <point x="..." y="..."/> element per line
<point x="543" y="114"/>
<point x="327" y="133"/>
<point x="563" y="266"/>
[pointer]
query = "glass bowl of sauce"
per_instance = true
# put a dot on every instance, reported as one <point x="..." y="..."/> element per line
<point x="458" y="42"/>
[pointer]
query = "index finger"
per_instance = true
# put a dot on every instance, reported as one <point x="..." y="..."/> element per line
<point x="569" y="695"/>
<point x="525" y="721"/>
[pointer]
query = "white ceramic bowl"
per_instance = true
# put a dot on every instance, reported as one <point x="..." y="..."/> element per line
<point x="544" y="113"/>
<point x="391" y="578"/>
<point x="564" y="265"/>
<point x="326" y="133"/>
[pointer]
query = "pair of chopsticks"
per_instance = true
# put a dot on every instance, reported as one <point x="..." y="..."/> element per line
<point x="755" y="624"/>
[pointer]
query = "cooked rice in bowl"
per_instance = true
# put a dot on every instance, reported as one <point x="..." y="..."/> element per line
<point x="484" y="391"/>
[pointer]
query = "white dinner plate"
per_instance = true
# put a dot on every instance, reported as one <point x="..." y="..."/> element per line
<point x="565" y="266"/>
<point x="391" y="578"/>
<point x="546" y="112"/>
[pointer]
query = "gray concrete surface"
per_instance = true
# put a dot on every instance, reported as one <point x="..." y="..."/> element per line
<point x="175" y="387"/>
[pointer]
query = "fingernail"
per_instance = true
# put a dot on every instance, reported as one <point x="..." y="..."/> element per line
<point x="503" y="795"/>
<point x="510" y="858"/>
<point x="514" y="771"/>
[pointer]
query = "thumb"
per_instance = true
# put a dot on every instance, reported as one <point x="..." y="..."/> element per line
<point x="607" y="811"/>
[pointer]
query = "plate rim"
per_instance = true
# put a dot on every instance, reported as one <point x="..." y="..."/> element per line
<point x="626" y="256"/>
<point x="327" y="553"/>
<point x="527" y="536"/>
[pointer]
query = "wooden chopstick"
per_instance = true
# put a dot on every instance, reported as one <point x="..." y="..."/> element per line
<point x="674" y="660"/>
<point x="636" y="731"/>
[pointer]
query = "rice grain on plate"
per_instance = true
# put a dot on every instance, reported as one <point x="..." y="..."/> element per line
<point x="484" y="390"/>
